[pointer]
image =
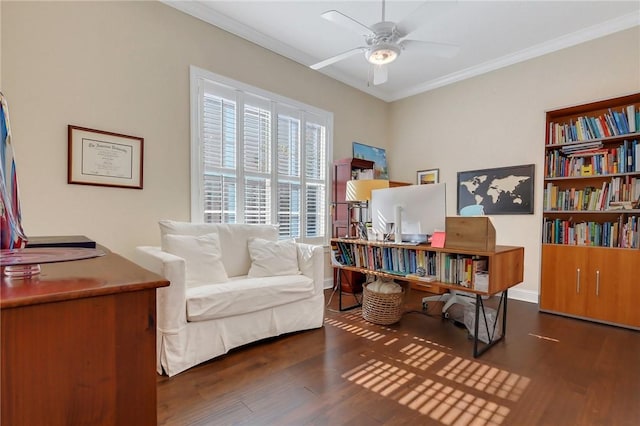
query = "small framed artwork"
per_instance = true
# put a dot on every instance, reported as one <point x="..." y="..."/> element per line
<point x="372" y="153"/>
<point x="428" y="176"/>
<point x="96" y="157"/>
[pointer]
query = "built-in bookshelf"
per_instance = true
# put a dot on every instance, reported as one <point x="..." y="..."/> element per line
<point x="592" y="174"/>
<point x="591" y="204"/>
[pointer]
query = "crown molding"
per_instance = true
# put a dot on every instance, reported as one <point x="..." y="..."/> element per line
<point x="199" y="10"/>
<point x="591" y="33"/>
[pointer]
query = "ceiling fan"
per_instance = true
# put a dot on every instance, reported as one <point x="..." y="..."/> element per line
<point x="385" y="40"/>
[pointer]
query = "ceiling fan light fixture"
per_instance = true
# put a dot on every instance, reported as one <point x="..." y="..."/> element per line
<point x="382" y="54"/>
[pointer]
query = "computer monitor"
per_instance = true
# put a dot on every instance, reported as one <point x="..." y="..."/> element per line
<point x="420" y="208"/>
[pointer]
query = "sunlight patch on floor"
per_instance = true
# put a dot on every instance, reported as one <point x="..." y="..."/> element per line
<point x="460" y="392"/>
<point x="354" y="316"/>
<point x="432" y="343"/>
<point x="447" y="405"/>
<point x="491" y="380"/>
<point x="379" y="377"/>
<point x="358" y="331"/>
<point x="420" y="356"/>
<point x="452" y="406"/>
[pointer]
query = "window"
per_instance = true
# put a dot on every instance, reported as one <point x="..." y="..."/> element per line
<point x="258" y="158"/>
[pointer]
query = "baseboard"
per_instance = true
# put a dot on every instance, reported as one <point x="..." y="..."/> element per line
<point x="523" y="295"/>
<point x="328" y="283"/>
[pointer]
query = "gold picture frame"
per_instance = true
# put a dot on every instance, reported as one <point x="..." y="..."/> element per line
<point x="428" y="176"/>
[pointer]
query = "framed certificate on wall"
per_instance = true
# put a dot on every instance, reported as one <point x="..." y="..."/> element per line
<point x="102" y="158"/>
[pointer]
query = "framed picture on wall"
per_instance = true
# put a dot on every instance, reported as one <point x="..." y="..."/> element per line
<point x="372" y="153"/>
<point x="96" y="157"/>
<point x="428" y="176"/>
<point x="503" y="190"/>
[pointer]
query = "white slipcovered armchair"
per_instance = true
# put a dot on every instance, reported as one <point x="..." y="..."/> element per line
<point x="230" y="284"/>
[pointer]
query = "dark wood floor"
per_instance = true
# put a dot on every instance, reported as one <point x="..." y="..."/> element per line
<point x="549" y="370"/>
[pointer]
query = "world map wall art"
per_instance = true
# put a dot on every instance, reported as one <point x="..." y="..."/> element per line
<point x="503" y="190"/>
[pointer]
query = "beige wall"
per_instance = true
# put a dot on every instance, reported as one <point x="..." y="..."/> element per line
<point x="498" y="119"/>
<point x="124" y="67"/>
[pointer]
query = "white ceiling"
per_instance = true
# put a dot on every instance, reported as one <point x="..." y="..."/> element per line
<point x="491" y="34"/>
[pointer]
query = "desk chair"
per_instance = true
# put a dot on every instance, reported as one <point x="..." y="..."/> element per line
<point x="456" y="296"/>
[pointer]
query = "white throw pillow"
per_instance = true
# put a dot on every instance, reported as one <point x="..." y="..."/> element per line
<point x="233" y="237"/>
<point x="202" y="255"/>
<point x="272" y="258"/>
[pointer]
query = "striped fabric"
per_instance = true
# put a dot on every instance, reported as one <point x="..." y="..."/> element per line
<point x="11" y="235"/>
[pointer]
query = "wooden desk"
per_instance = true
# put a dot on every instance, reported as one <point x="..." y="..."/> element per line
<point x="505" y="267"/>
<point x="78" y="344"/>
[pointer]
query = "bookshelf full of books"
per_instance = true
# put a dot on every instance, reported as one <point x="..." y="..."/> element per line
<point x="591" y="208"/>
<point x="478" y="271"/>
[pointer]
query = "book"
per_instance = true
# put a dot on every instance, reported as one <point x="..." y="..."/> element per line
<point x="604" y="127"/>
<point x="77" y="241"/>
<point x="481" y="281"/>
<point x="631" y="116"/>
<point x="438" y="239"/>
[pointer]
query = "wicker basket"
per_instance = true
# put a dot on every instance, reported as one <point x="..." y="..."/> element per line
<point x="381" y="308"/>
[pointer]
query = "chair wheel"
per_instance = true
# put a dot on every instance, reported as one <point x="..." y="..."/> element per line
<point x="445" y="315"/>
<point x="425" y="306"/>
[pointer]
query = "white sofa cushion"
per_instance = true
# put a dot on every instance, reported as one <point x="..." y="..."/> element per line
<point x="243" y="295"/>
<point x="233" y="240"/>
<point x="272" y="258"/>
<point x="202" y="256"/>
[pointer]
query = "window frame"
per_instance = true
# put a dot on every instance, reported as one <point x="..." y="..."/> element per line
<point x="199" y="78"/>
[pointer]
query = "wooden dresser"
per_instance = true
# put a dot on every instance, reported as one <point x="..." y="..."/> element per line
<point x="78" y="344"/>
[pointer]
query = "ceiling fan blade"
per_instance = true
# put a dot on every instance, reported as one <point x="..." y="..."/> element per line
<point x="334" y="59"/>
<point x="424" y="13"/>
<point x="380" y="74"/>
<point x="347" y="22"/>
<point x="443" y="50"/>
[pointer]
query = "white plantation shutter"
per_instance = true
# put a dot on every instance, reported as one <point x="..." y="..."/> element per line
<point x="219" y="158"/>
<point x="257" y="137"/>
<point x="257" y="204"/>
<point x="288" y="163"/>
<point x="220" y="196"/>
<point x="258" y="158"/>
<point x="289" y="209"/>
<point x="315" y="147"/>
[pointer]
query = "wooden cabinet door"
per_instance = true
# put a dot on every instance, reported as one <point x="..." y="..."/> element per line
<point x="564" y="283"/>
<point x="614" y="291"/>
<point x="626" y="275"/>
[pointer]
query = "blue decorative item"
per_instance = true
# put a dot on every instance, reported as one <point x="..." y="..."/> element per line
<point x="12" y="235"/>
